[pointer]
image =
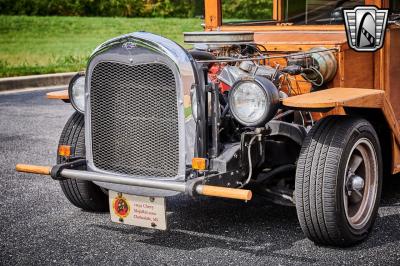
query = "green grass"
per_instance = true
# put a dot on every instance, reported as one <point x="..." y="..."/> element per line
<point x="39" y="45"/>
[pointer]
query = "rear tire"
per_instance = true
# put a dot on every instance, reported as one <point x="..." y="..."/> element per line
<point x="334" y="206"/>
<point x="83" y="194"/>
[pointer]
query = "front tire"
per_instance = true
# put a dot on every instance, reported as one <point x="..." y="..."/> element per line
<point x="81" y="193"/>
<point x="339" y="181"/>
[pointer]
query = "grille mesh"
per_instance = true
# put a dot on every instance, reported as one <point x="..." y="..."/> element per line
<point x="134" y="119"/>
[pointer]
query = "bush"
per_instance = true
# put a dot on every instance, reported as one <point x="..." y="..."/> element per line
<point x="242" y="9"/>
<point x="109" y="8"/>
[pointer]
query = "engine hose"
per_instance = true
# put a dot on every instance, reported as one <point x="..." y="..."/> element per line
<point x="225" y="111"/>
<point x="250" y="163"/>
<point x="313" y="81"/>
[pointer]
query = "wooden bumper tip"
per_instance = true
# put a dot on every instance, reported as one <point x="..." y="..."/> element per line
<point x="33" y="169"/>
<point x="224" y="192"/>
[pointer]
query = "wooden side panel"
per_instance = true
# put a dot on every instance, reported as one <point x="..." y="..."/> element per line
<point x="387" y="77"/>
<point x="358" y="69"/>
<point x="302" y="40"/>
<point x="396" y="156"/>
<point x="379" y="77"/>
<point x="301" y="37"/>
<point x="392" y="64"/>
<point x="391" y="119"/>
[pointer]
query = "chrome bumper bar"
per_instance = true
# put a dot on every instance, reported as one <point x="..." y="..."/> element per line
<point x="122" y="180"/>
<point x="192" y="187"/>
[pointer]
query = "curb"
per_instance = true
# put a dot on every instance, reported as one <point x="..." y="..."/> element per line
<point x="34" y="81"/>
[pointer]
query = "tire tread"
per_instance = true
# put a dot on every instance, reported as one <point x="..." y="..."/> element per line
<point x="82" y="194"/>
<point x="316" y="179"/>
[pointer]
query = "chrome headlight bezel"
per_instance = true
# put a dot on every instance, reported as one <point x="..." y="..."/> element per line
<point x="267" y="90"/>
<point x="76" y="92"/>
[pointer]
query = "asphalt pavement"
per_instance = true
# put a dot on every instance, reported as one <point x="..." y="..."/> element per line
<point x="39" y="226"/>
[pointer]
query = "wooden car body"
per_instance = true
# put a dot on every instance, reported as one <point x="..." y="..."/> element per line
<point x="379" y="70"/>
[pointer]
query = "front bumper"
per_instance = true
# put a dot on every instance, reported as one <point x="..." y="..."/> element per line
<point x="192" y="187"/>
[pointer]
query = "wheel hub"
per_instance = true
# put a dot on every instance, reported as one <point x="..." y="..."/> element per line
<point x="355" y="183"/>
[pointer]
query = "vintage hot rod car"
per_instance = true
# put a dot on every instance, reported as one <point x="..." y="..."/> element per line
<point x="282" y="107"/>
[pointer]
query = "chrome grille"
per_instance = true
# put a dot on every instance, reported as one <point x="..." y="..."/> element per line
<point x="134" y="119"/>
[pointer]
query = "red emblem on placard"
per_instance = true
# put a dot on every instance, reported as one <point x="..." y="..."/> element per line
<point x="121" y="206"/>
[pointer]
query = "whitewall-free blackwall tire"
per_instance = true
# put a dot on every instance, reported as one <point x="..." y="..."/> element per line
<point x="339" y="181"/>
<point x="83" y="194"/>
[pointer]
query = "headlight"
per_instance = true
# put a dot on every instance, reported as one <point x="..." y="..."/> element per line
<point x="253" y="102"/>
<point x="76" y="91"/>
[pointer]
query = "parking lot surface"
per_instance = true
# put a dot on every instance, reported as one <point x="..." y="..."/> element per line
<point x="39" y="226"/>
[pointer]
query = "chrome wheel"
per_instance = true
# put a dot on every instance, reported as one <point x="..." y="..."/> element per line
<point x="361" y="184"/>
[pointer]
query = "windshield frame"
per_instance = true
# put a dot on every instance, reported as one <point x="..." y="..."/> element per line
<point x="214" y="16"/>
